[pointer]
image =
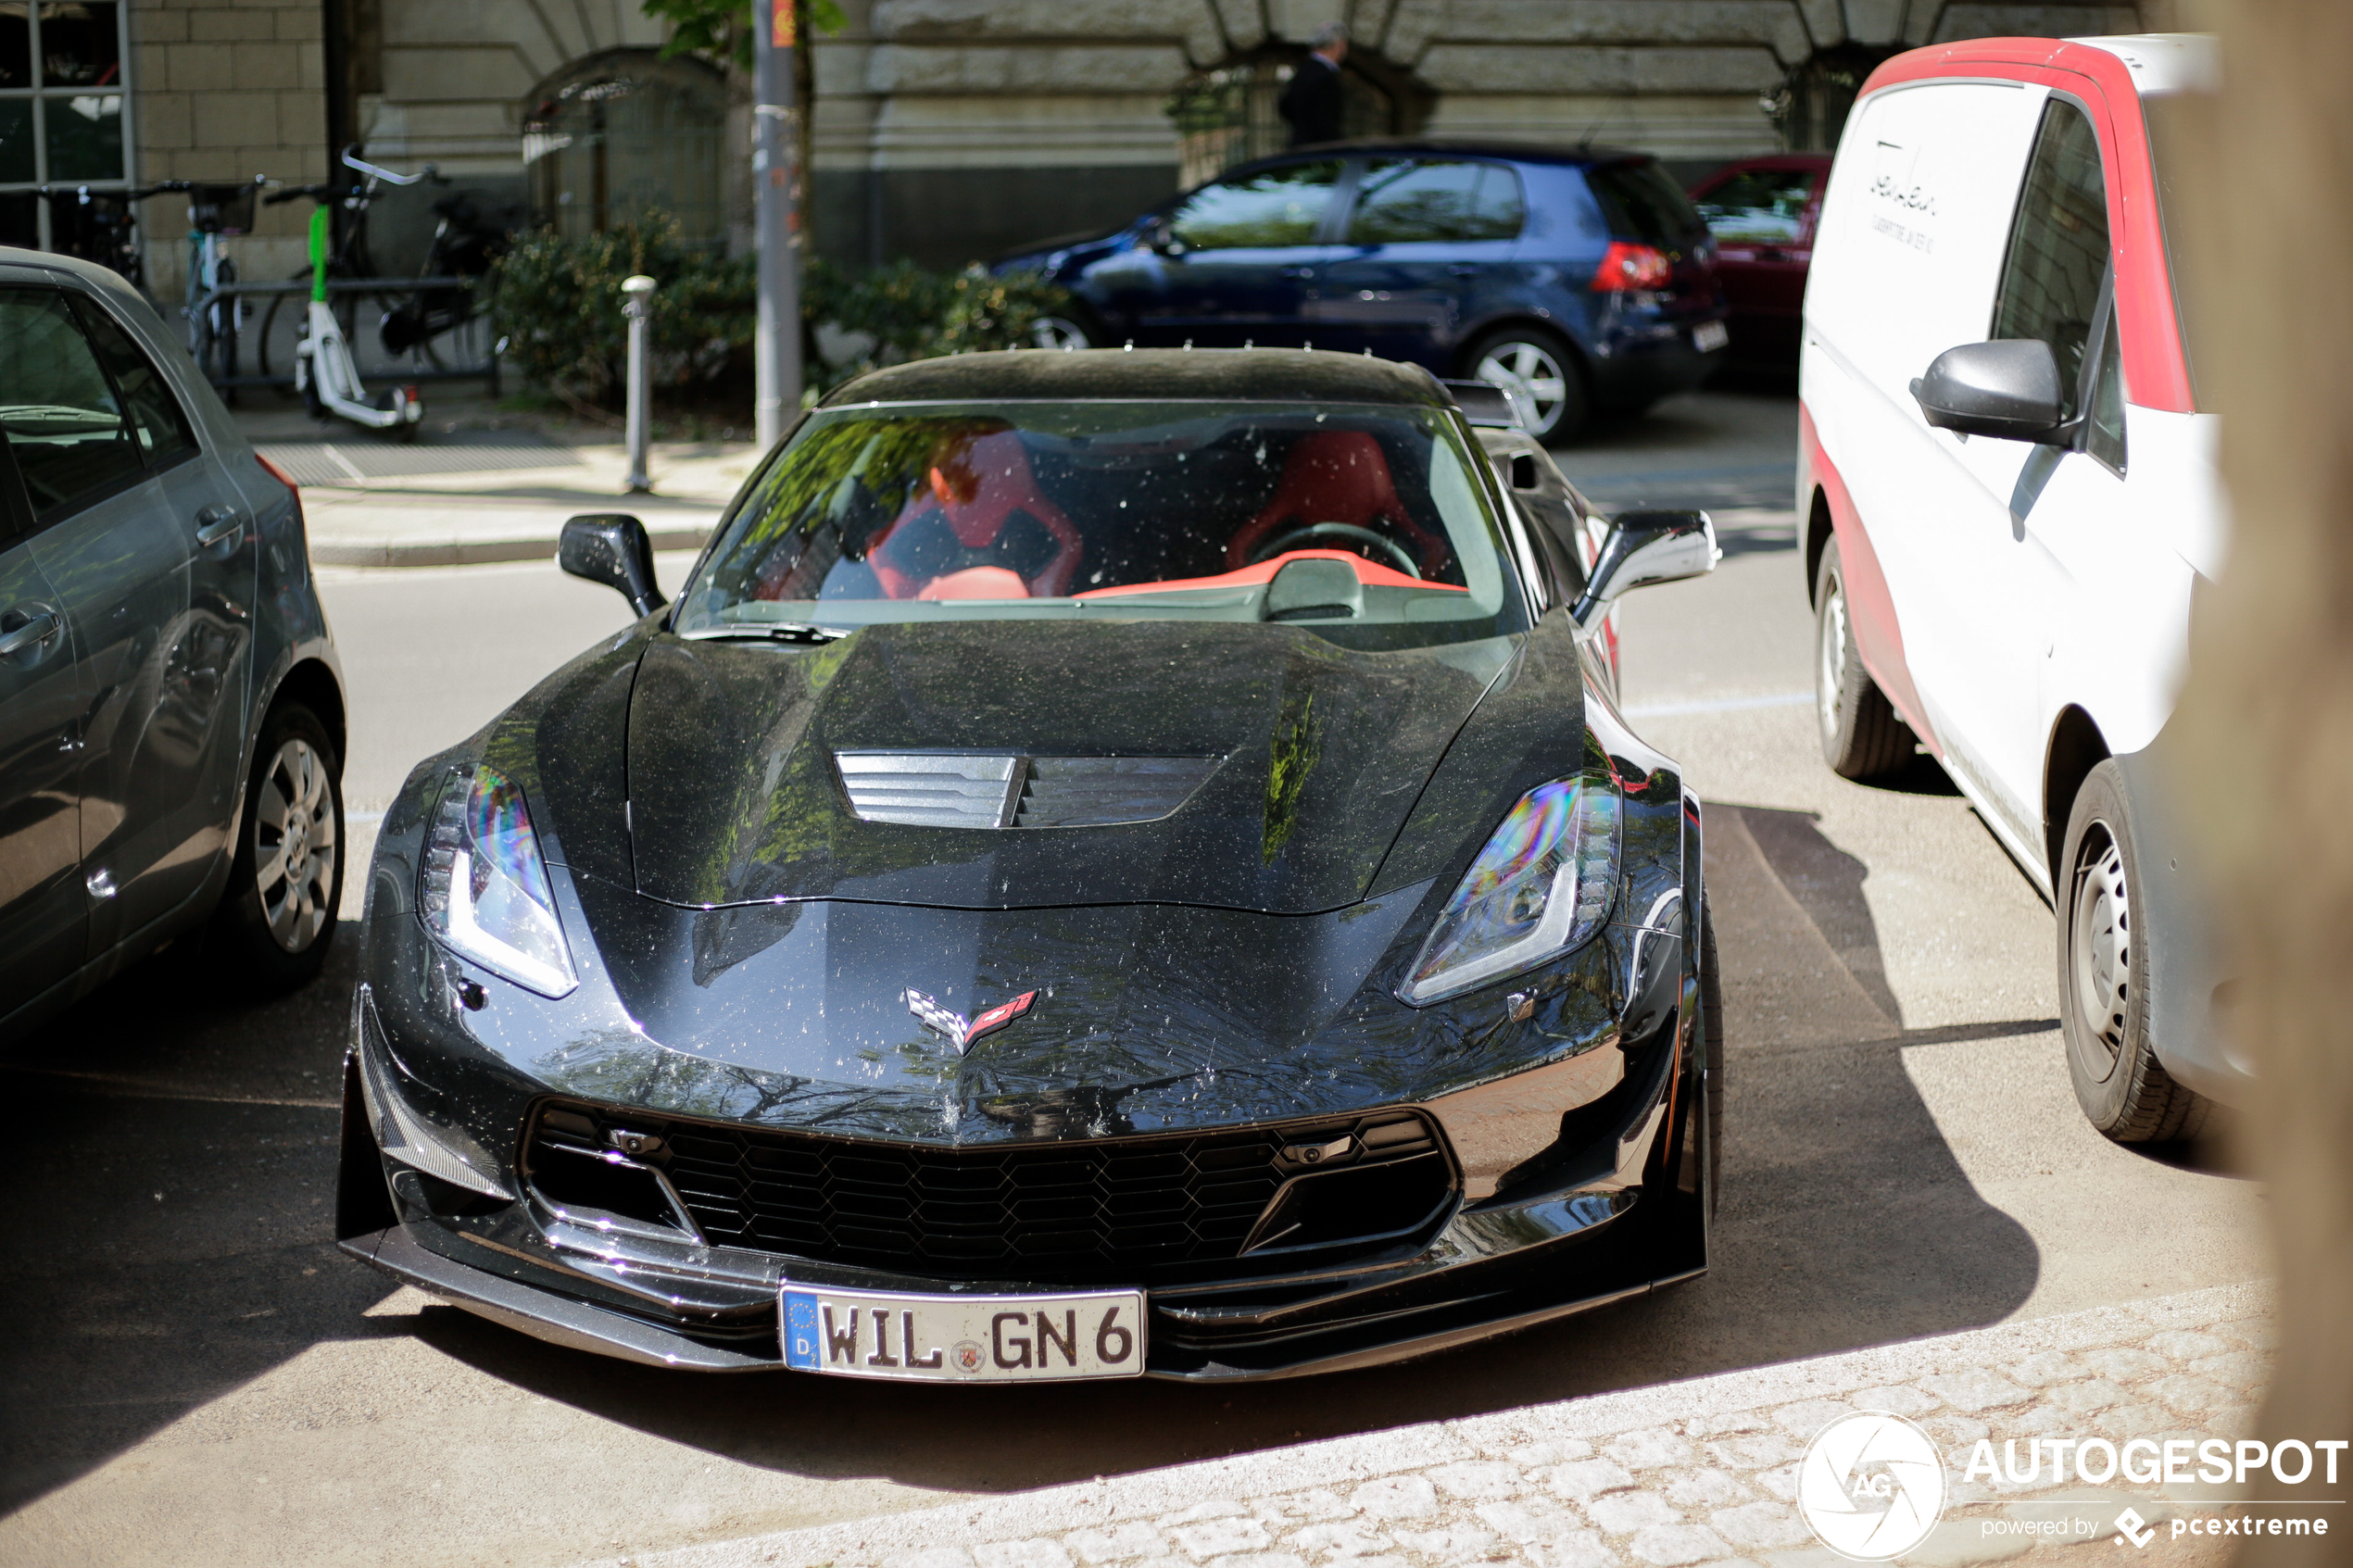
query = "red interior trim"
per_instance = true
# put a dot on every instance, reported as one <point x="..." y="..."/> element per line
<point x="1879" y="635"/>
<point x="2155" y="375"/>
<point x="1367" y="572"/>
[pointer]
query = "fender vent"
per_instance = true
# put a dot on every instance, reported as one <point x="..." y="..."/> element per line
<point x="966" y="790"/>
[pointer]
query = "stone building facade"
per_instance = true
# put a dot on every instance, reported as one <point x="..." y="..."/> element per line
<point x="944" y="129"/>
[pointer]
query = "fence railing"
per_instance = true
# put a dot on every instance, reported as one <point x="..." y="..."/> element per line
<point x="222" y="356"/>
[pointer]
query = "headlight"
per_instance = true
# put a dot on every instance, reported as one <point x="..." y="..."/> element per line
<point x="1541" y="886"/>
<point x="485" y="892"/>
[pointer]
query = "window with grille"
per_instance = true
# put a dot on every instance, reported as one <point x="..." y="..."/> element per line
<point x="64" y="122"/>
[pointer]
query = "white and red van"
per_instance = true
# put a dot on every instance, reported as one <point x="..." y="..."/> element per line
<point x="2007" y="491"/>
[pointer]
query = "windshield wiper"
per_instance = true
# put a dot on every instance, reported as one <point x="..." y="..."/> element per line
<point x="775" y="632"/>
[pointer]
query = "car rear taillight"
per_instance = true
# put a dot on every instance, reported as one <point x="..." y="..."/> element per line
<point x="1629" y="266"/>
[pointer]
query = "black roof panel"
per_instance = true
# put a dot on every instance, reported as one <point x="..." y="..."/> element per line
<point x="1243" y="375"/>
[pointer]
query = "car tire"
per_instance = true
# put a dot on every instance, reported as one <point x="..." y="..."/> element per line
<point x="1862" y="739"/>
<point x="2104" y="968"/>
<point x="1541" y="375"/>
<point x="276" y="920"/>
<point x="1711" y="993"/>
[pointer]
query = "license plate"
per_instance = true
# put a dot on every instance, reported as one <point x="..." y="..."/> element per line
<point x="1709" y="336"/>
<point x="964" y="1338"/>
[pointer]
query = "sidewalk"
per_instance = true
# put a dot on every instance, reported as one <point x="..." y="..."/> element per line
<point x="1674" y="1476"/>
<point x="489" y="489"/>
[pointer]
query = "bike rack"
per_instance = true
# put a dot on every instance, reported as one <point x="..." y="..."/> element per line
<point x="402" y="287"/>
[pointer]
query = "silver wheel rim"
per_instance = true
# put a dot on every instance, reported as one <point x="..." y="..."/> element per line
<point x="1532" y="379"/>
<point x="1829" y="673"/>
<point x="1054" y="332"/>
<point x="293" y="847"/>
<point x="2101" y="946"/>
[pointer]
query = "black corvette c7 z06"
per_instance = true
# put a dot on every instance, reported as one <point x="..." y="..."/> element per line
<point x="1114" y="864"/>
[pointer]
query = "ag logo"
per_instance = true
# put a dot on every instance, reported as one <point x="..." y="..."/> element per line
<point x="1871" y="1485"/>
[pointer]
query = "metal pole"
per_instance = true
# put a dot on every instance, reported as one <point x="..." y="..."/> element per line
<point x="637" y="304"/>
<point x="776" y="219"/>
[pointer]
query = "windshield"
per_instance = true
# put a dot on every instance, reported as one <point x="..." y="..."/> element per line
<point x="1364" y="523"/>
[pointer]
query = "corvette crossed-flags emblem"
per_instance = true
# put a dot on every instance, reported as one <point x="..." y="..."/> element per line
<point x="961" y="1031"/>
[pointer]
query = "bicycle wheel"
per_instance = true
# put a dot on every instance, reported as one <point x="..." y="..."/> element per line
<point x="225" y="326"/>
<point x="270" y="321"/>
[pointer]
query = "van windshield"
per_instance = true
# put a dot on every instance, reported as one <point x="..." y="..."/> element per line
<point x="1367" y="524"/>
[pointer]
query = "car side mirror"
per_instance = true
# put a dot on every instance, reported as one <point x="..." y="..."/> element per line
<point x="1161" y="238"/>
<point x="1642" y="548"/>
<point x="612" y="548"/>
<point x="2008" y="389"/>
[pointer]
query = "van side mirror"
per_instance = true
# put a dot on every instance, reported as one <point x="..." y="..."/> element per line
<point x="612" y="548"/>
<point x="2009" y="389"/>
<point x="1642" y="548"/>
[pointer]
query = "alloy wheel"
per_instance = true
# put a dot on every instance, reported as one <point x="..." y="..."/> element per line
<point x="2100" y="945"/>
<point x="1532" y="377"/>
<point x="294" y="846"/>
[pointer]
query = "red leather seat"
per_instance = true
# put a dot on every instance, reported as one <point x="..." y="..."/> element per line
<point x="974" y="491"/>
<point x="1337" y="476"/>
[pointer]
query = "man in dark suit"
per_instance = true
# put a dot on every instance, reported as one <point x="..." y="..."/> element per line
<point x="1310" y="103"/>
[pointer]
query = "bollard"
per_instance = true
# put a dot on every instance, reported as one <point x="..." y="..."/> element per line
<point x="639" y="306"/>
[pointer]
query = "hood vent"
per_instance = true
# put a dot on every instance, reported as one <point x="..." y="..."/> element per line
<point x="929" y="789"/>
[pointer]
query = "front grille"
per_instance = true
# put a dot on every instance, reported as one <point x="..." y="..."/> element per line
<point x="932" y="789"/>
<point x="1134" y="1210"/>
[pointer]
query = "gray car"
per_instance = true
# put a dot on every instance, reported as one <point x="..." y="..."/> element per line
<point x="171" y="710"/>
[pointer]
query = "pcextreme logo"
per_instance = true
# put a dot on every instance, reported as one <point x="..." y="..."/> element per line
<point x="1871" y="1485"/>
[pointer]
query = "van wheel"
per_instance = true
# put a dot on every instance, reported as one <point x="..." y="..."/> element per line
<point x="1862" y="739"/>
<point x="1539" y="374"/>
<point x="2104" y="967"/>
<point x="277" y="918"/>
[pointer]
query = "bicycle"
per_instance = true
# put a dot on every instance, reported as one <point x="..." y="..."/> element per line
<point x="214" y="209"/>
<point x="326" y="376"/>
<point x="96" y="226"/>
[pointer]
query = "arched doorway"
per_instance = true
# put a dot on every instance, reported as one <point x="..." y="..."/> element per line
<point x="1226" y="115"/>
<point x="623" y="133"/>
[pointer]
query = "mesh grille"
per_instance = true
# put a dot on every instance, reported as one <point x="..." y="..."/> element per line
<point x="931" y="790"/>
<point x="1130" y="1209"/>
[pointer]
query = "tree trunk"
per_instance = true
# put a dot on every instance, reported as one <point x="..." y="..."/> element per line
<point x="2264" y="737"/>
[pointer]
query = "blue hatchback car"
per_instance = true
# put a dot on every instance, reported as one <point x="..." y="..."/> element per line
<point x="1576" y="279"/>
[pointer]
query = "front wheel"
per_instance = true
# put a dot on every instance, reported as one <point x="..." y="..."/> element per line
<point x="277" y="918"/>
<point x="1539" y="374"/>
<point x="1862" y="739"/>
<point x="2104" y="970"/>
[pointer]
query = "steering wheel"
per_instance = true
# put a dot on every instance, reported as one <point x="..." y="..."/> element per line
<point x="1309" y="537"/>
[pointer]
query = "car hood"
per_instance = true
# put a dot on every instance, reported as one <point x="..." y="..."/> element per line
<point x="1308" y="755"/>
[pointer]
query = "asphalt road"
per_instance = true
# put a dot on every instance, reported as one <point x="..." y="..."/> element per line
<point x="192" y="1373"/>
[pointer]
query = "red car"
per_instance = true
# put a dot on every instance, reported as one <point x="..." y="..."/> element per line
<point x="1762" y="211"/>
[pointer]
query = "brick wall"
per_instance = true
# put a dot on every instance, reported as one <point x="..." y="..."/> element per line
<point x="226" y="89"/>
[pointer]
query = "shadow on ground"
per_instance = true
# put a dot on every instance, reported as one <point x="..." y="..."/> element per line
<point x="170" y="1237"/>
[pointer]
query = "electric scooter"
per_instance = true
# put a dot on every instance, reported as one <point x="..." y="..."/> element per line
<point x="324" y="371"/>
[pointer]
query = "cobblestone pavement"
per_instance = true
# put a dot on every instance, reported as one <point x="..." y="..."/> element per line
<point x="1679" y="1475"/>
